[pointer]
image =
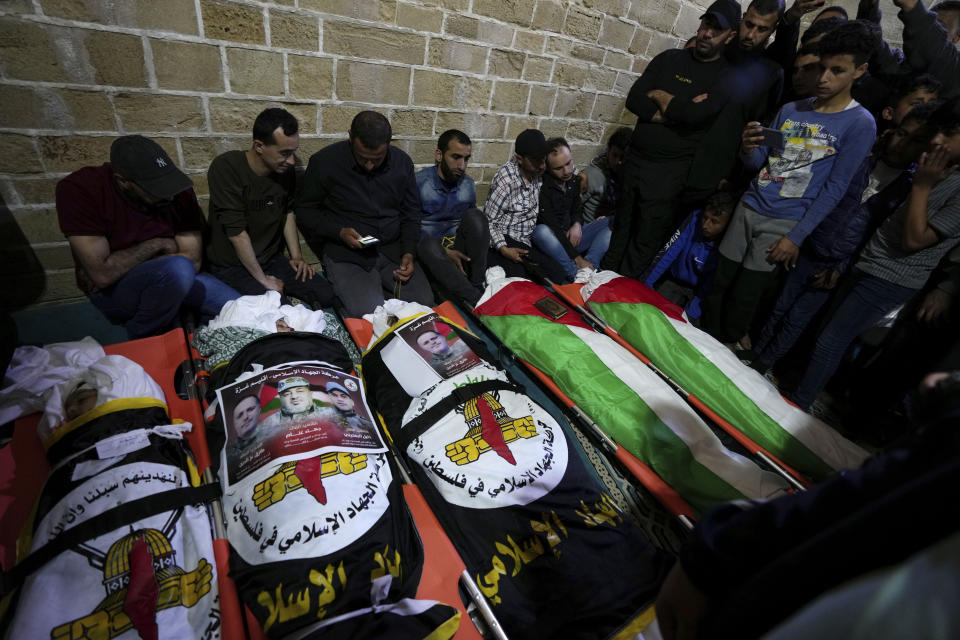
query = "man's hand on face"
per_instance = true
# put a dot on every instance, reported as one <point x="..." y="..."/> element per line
<point x="458" y="258"/>
<point x="405" y="271"/>
<point x="303" y="269"/>
<point x="906" y="5"/>
<point x="575" y="233"/>
<point x="933" y="167"/>
<point x="752" y="137"/>
<point x="514" y="254"/>
<point x="272" y="283"/>
<point x="351" y="238"/>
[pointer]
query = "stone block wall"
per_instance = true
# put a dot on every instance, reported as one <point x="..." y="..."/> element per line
<point x="193" y="74"/>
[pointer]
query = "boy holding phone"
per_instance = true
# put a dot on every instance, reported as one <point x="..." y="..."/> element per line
<point x="826" y="139"/>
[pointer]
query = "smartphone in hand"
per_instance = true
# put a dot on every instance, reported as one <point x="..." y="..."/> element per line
<point x="368" y="241"/>
<point x="774" y="138"/>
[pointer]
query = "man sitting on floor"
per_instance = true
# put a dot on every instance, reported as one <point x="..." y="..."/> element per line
<point x="359" y="209"/>
<point x="453" y="233"/>
<point x="560" y="232"/>
<point x="603" y="176"/>
<point x="513" y="206"/>
<point x="134" y="227"/>
<point x="251" y="215"/>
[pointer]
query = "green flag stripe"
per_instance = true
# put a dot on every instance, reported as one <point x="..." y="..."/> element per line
<point x="651" y="332"/>
<point x="612" y="404"/>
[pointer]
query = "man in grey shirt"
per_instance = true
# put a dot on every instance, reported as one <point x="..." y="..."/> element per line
<point x="899" y="257"/>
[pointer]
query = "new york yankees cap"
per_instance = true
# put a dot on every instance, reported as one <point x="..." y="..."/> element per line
<point x="145" y="162"/>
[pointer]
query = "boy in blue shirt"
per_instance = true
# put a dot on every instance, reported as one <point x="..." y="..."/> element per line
<point x="683" y="271"/>
<point x="826" y="139"/>
<point x="879" y="188"/>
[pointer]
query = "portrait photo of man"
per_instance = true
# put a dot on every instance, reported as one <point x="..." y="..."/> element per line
<point x="447" y="357"/>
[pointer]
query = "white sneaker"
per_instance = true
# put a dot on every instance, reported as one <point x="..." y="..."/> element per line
<point x="493" y="274"/>
<point x="583" y="275"/>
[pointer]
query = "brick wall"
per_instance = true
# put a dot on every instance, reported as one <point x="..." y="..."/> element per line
<point x="193" y="74"/>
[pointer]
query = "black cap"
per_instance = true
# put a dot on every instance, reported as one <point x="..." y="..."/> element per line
<point x="146" y="163"/>
<point x="532" y="144"/>
<point x="726" y="13"/>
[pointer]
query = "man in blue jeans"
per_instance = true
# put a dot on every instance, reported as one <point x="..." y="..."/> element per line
<point x="454" y="236"/>
<point x="560" y="232"/>
<point x="134" y="227"/>
<point x="900" y="256"/>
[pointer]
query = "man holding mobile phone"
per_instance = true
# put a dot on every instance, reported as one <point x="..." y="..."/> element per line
<point x="360" y="210"/>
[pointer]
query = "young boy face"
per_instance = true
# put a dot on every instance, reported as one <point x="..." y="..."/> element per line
<point x="837" y="74"/>
<point x="905" y="144"/>
<point x="896" y="113"/>
<point x="713" y="223"/>
<point x="950" y="140"/>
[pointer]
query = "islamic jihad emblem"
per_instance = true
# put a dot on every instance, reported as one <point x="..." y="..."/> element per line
<point x="488" y="428"/>
<point x="141" y="577"/>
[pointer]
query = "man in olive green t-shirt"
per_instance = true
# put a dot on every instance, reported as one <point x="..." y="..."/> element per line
<point x="251" y="217"/>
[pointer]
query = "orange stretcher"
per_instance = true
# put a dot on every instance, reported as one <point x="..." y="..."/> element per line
<point x="24" y="468"/>
<point x="442" y="566"/>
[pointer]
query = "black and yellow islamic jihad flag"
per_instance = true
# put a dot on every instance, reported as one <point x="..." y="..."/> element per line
<point x="324" y="546"/>
<point x="545" y="544"/>
<point x="120" y="543"/>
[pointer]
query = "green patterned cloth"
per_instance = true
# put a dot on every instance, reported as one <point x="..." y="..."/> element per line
<point x="217" y="346"/>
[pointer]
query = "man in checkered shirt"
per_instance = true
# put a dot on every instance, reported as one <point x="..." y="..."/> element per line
<point x="512" y="208"/>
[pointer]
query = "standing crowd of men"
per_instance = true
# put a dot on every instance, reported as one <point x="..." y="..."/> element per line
<point x="759" y="184"/>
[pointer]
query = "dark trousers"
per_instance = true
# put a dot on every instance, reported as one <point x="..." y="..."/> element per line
<point x="729" y="307"/>
<point x="473" y="240"/>
<point x="316" y="290"/>
<point x="796" y="306"/>
<point x="869" y="299"/>
<point x="647" y="211"/>
<point x="546" y="265"/>
<point x="362" y="290"/>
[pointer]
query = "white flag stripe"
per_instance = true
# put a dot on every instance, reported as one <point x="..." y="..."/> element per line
<point x="739" y="472"/>
<point x="818" y="437"/>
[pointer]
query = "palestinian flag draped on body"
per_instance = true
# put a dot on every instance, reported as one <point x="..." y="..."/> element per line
<point x="625" y="398"/>
<point x="712" y="373"/>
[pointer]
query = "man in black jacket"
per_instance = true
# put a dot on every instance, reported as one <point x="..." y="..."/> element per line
<point x="360" y="210"/>
<point x="560" y="232"/>
<point x="675" y="100"/>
